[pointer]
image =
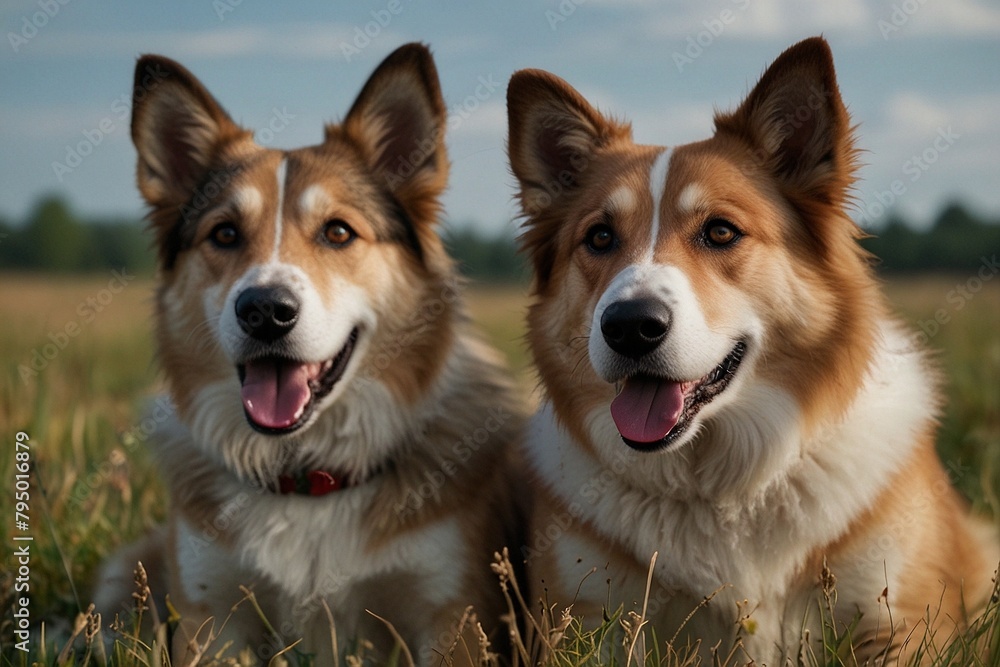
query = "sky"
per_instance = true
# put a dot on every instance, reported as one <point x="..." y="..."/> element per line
<point x="921" y="79"/>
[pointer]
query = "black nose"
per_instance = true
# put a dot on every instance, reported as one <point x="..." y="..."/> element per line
<point x="635" y="328"/>
<point x="267" y="313"/>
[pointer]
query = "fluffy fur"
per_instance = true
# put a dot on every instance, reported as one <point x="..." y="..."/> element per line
<point x="405" y="405"/>
<point x="801" y="413"/>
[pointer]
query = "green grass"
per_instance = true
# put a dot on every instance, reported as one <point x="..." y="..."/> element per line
<point x="91" y="490"/>
<point x="94" y="488"/>
<point x="967" y="346"/>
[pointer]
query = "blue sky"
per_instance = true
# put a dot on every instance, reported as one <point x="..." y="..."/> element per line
<point x="921" y="77"/>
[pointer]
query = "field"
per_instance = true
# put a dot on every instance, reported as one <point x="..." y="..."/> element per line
<point x="78" y="364"/>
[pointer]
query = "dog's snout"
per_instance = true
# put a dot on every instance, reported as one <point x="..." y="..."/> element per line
<point x="267" y="313"/>
<point x="635" y="328"/>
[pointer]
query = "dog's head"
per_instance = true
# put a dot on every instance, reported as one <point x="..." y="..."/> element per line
<point x="288" y="277"/>
<point x="675" y="286"/>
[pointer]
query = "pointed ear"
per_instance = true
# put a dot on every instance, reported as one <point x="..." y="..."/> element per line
<point x="796" y="124"/>
<point x="553" y="133"/>
<point x="398" y="122"/>
<point x="177" y="128"/>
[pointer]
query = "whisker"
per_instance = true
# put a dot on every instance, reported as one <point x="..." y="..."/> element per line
<point x="203" y="331"/>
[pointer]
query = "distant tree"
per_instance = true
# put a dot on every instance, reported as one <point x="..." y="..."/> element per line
<point x="956" y="241"/>
<point x="123" y="244"/>
<point x="54" y="240"/>
<point x="955" y="217"/>
<point x="7" y="239"/>
<point x="484" y="258"/>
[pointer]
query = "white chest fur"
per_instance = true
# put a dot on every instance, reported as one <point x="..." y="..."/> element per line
<point x="318" y="546"/>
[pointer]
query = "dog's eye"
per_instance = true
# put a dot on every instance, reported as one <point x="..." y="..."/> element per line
<point x="224" y="235"/>
<point x="719" y="233"/>
<point x="601" y="238"/>
<point x="338" y="233"/>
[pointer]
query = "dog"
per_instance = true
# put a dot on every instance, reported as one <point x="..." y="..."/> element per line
<point x="725" y="385"/>
<point x="343" y="442"/>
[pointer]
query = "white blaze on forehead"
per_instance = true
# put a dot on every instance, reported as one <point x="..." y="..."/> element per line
<point x="692" y="198"/>
<point x="657" y="186"/>
<point x="313" y="200"/>
<point x="280" y="206"/>
<point x="249" y="201"/>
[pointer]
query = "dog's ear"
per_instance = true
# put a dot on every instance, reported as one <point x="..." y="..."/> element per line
<point x="398" y="122"/>
<point x="552" y="138"/>
<point x="553" y="133"/>
<point x="177" y="128"/>
<point x="797" y="126"/>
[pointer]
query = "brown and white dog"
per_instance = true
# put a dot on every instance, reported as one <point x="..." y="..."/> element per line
<point x="725" y="383"/>
<point x="342" y="440"/>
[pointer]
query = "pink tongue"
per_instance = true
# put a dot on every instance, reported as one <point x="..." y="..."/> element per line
<point x="647" y="409"/>
<point x="276" y="392"/>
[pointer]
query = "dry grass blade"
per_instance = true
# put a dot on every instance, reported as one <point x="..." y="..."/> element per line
<point x="502" y="567"/>
<point x="636" y="630"/>
<point x="395" y="635"/>
<point x="333" y="632"/>
<point x="79" y="625"/>
<point x="277" y="660"/>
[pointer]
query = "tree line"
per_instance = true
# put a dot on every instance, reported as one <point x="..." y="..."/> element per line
<point x="54" y="239"/>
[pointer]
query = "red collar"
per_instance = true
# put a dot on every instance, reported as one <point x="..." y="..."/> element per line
<point x="312" y="483"/>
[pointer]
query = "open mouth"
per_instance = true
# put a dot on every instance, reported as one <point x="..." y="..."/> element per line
<point x="279" y="393"/>
<point x="652" y="413"/>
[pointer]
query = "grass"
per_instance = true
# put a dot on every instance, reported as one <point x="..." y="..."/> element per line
<point x="94" y="488"/>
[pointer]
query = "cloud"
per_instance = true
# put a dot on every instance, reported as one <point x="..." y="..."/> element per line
<point x="909" y="114"/>
<point x="956" y="18"/>
<point x="786" y="20"/>
<point x="62" y="122"/>
<point x="292" y="40"/>
<point x="673" y="124"/>
<point x="470" y="119"/>
<point x="790" y="20"/>
<point x="922" y="150"/>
